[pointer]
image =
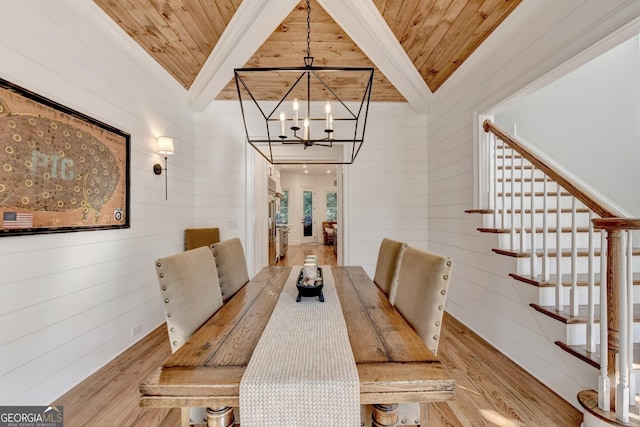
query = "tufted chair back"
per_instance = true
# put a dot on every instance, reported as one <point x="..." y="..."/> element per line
<point x="190" y="292"/>
<point x="388" y="265"/>
<point x="231" y="265"/>
<point x="423" y="281"/>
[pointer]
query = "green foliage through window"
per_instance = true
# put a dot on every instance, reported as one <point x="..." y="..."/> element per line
<point x="332" y="206"/>
<point x="283" y="215"/>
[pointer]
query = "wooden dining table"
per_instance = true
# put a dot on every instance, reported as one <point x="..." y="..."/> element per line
<point x="393" y="363"/>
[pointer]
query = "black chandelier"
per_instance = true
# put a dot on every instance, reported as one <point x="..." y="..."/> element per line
<point x="310" y="114"/>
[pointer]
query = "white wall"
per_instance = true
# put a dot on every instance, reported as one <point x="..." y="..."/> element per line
<point x="597" y="108"/>
<point x="536" y="39"/>
<point x="69" y="301"/>
<point x="386" y="188"/>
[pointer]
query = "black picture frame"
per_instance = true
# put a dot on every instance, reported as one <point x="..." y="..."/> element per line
<point x="60" y="170"/>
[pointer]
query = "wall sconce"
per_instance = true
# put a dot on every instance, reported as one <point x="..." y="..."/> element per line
<point x="164" y="147"/>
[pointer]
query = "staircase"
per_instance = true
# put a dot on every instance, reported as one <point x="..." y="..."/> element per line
<point x="576" y="250"/>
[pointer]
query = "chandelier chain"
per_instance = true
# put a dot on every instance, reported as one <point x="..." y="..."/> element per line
<point x="308" y="28"/>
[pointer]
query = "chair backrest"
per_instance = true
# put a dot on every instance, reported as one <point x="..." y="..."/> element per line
<point x="423" y="283"/>
<point x="231" y="265"/>
<point x="190" y="292"/>
<point x="387" y="267"/>
<point x="197" y="237"/>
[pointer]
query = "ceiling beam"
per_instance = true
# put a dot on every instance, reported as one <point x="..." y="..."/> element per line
<point x="251" y="25"/>
<point x="364" y="24"/>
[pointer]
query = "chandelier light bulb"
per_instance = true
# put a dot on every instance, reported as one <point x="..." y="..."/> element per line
<point x="306" y="128"/>
<point x="296" y="106"/>
<point x="283" y="133"/>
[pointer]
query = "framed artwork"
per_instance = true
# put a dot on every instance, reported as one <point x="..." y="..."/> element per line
<point x="60" y="170"/>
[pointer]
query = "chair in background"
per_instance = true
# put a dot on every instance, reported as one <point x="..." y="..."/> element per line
<point x="423" y="282"/>
<point x="387" y="267"/>
<point x="328" y="232"/>
<point x="191" y="295"/>
<point x="197" y="237"/>
<point x="231" y="265"/>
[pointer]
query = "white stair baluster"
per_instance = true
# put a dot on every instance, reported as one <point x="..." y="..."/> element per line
<point x="534" y="257"/>
<point x="630" y="317"/>
<point x="493" y="144"/>
<point x="545" y="230"/>
<point x="574" y="260"/>
<point x="523" y="230"/>
<point x="513" y="200"/>
<point x="504" y="185"/>
<point x="591" y="330"/>
<point x="559" y="289"/>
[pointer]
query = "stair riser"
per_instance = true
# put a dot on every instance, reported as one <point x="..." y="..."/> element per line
<point x="547" y="295"/>
<point x="524" y="265"/>
<point x="577" y="333"/>
<point x="537" y="185"/>
<point x="574" y="334"/>
<point x="582" y="241"/>
<point x="506" y="174"/>
<point x="565" y="202"/>
<point x="582" y="220"/>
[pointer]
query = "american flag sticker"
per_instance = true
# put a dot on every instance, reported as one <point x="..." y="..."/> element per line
<point x="16" y="220"/>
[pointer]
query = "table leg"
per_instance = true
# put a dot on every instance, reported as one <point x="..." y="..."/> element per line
<point x="385" y="415"/>
<point x="221" y="416"/>
<point x="424" y="414"/>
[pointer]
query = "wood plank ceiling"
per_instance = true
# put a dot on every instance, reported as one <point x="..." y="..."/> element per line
<point x="437" y="36"/>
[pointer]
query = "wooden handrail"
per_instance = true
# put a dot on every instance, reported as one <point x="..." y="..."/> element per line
<point x="610" y="224"/>
<point x="558" y="177"/>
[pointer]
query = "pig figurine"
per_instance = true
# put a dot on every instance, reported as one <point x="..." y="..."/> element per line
<point x="49" y="165"/>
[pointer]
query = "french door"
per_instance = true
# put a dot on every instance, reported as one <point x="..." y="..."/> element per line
<point x="308" y="219"/>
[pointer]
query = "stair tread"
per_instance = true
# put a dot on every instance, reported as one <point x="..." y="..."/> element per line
<point x="589" y="401"/>
<point x="593" y="359"/>
<point x="515" y="167"/>
<point x="528" y="230"/>
<point x="583" y="279"/>
<point x="536" y="194"/>
<point x="528" y="211"/>
<point x="551" y="252"/>
<point x="564" y="315"/>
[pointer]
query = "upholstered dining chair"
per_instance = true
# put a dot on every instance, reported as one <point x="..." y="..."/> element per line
<point x="423" y="282"/>
<point x="231" y="265"/>
<point x="196" y="237"/>
<point x="388" y="265"/>
<point x="191" y="295"/>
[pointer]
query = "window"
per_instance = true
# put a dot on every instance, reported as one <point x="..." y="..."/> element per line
<point x="283" y="215"/>
<point x="332" y="206"/>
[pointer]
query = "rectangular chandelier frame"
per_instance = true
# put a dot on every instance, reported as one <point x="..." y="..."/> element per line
<point x="356" y="116"/>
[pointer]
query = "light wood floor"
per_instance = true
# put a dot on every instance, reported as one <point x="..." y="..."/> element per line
<point x="490" y="391"/>
<point x="297" y="253"/>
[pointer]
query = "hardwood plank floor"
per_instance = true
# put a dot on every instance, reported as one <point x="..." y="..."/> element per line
<point x="491" y="390"/>
<point x="297" y="253"/>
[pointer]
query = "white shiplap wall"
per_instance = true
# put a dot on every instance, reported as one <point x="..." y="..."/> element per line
<point x="69" y="301"/>
<point x="385" y="190"/>
<point x="537" y="38"/>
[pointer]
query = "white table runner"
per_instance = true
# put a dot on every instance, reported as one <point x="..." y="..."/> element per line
<point x="302" y="372"/>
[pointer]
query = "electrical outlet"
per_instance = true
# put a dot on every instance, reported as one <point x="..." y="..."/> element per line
<point x="136" y="330"/>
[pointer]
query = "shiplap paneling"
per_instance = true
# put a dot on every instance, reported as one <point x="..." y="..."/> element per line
<point x="387" y="185"/>
<point x="481" y="295"/>
<point x="70" y="300"/>
<point x="221" y="167"/>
